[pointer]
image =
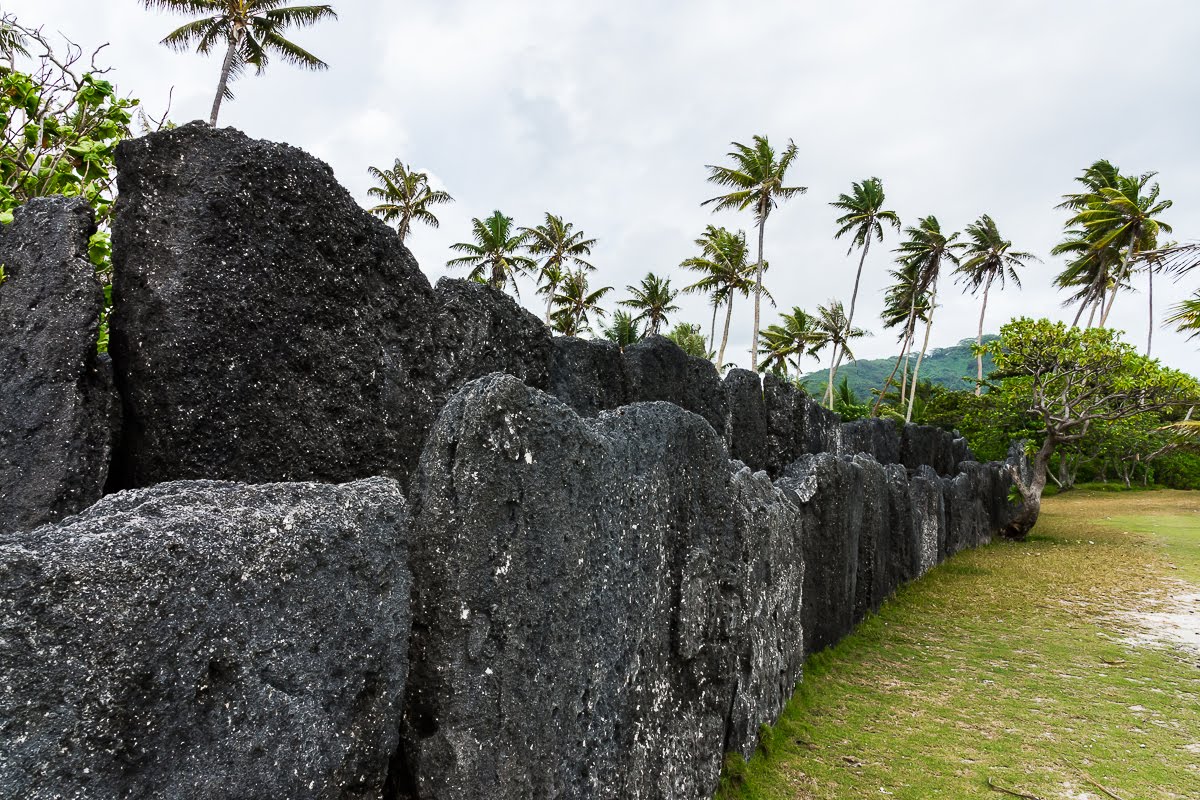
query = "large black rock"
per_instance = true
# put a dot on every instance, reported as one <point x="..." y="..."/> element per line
<point x="904" y="538"/>
<point x="658" y="369"/>
<point x="206" y="640"/>
<point x="797" y="425"/>
<point x="873" y="575"/>
<point x="929" y="517"/>
<point x="479" y="330"/>
<point x="927" y="446"/>
<point x="576" y="617"/>
<point x="265" y="327"/>
<point x="829" y="491"/>
<point x="878" y="438"/>
<point x="771" y="654"/>
<point x="748" y="428"/>
<point x="588" y="375"/>
<point x="59" y="413"/>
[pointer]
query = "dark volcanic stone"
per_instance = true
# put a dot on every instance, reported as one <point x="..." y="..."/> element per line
<point x="59" y="413"/>
<point x="659" y="370"/>
<point x="588" y="375"/>
<point x="572" y="630"/>
<point x="927" y="446"/>
<point x="967" y="524"/>
<point x="265" y="327"/>
<point x="747" y="430"/>
<point x="878" y="438"/>
<point x="829" y="490"/>
<point x="780" y="400"/>
<point x="929" y="517"/>
<point x="904" y="542"/>
<point x="206" y="640"/>
<point x="772" y="651"/>
<point x="479" y="330"/>
<point x="873" y="575"/>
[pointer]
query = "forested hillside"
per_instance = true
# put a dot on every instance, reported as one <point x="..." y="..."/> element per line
<point x="947" y="366"/>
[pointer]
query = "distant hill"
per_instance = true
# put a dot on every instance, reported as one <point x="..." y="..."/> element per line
<point x="945" y="366"/>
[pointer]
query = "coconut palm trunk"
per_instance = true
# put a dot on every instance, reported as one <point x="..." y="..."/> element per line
<point x="725" y="335"/>
<point x="758" y="272"/>
<point x="924" y="346"/>
<point x="909" y="324"/>
<point x="979" y="343"/>
<point x="712" y="331"/>
<point x="1150" y="326"/>
<point x="837" y="351"/>
<point x="226" y="70"/>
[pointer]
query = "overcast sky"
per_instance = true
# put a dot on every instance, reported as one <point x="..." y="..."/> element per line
<point x="607" y="113"/>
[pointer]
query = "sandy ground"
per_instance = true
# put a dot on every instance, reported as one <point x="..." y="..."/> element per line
<point x="1173" y="619"/>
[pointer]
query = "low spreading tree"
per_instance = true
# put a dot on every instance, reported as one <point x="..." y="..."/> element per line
<point x="1068" y="380"/>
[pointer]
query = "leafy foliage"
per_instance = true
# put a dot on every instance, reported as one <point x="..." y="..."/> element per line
<point x="406" y="196"/>
<point x="653" y="299"/>
<point x="495" y="256"/>
<point x="690" y="339"/>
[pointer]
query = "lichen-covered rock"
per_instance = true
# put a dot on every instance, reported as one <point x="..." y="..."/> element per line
<point x="873" y="575"/>
<point x="206" y="640"/>
<point x="748" y="426"/>
<point x="478" y="330"/>
<point x="572" y="622"/>
<point x="59" y="413"/>
<point x="265" y="327"/>
<point x="659" y="370"/>
<point x="929" y="517"/>
<point x="828" y="490"/>
<point x="904" y="538"/>
<point x="588" y="375"/>
<point x="878" y="438"/>
<point x="771" y="654"/>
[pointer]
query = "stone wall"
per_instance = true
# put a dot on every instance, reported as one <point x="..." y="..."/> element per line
<point x="559" y="570"/>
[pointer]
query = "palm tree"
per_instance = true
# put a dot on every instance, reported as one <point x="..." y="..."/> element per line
<point x="406" y="196"/>
<point x="574" y="303"/>
<point x="653" y="299"/>
<point x="905" y="303"/>
<point x="863" y="220"/>
<point x="494" y="256"/>
<point x="1186" y="316"/>
<point x="250" y="30"/>
<point x="723" y="264"/>
<point x="562" y="248"/>
<point x="623" y="331"/>
<point x="785" y="345"/>
<point x="833" y="328"/>
<point x="756" y="178"/>
<point x="988" y="258"/>
<point x="924" y="251"/>
<point x="13" y="39"/>
<point x="1090" y="271"/>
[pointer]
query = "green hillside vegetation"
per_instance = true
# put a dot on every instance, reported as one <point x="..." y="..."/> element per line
<point x="950" y="367"/>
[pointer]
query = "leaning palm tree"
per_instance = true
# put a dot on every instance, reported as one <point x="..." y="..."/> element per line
<point x="987" y="258"/>
<point x="756" y="178"/>
<point x="406" y="196"/>
<point x="494" y="257"/>
<point x="561" y="249"/>
<point x="725" y="273"/>
<point x="653" y="299"/>
<point x="250" y="30"/>
<point x="575" y="305"/>
<point x="833" y="329"/>
<point x="624" y="330"/>
<point x="1089" y="271"/>
<point x="925" y="251"/>
<point x="863" y="220"/>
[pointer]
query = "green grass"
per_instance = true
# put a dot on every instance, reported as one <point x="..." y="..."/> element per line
<point x="1008" y="663"/>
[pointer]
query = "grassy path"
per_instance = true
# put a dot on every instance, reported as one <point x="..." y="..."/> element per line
<point x="1046" y="667"/>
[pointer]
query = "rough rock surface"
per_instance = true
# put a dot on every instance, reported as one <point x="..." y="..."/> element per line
<point x="771" y="655"/>
<point x="479" y="330"/>
<point x="659" y="370"/>
<point x="929" y="517"/>
<point x="588" y="375"/>
<point x="748" y="425"/>
<point x="265" y="327"/>
<point x="206" y="640"/>
<point x="828" y="490"/>
<point x="571" y="631"/>
<point x="59" y="413"/>
<point x="878" y="438"/>
<point x="927" y="446"/>
<point x="872" y="581"/>
<point x="903" y="537"/>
